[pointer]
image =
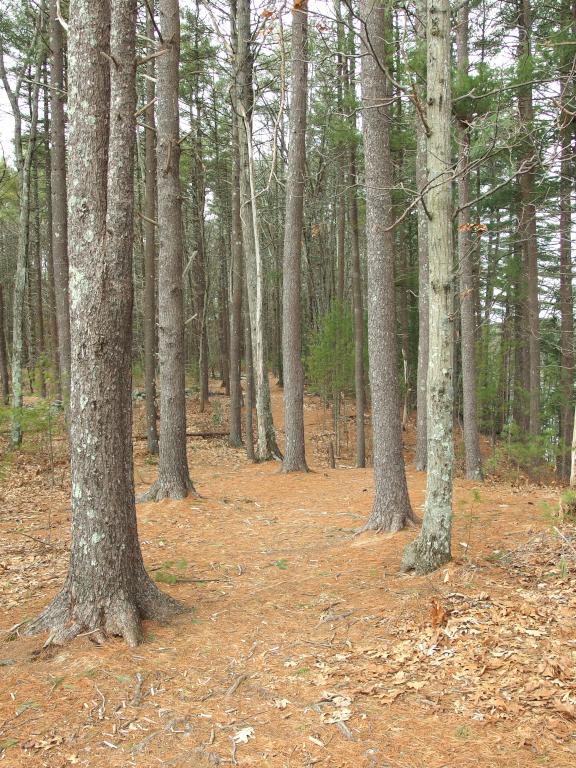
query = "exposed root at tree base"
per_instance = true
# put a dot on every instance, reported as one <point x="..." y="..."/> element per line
<point x="389" y="524"/>
<point x="120" y="615"/>
<point x="161" y="490"/>
<point x="422" y="557"/>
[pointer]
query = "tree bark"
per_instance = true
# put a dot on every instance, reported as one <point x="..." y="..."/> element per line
<point x="566" y="297"/>
<point x="465" y="251"/>
<point x="59" y="197"/>
<point x="173" y="474"/>
<point x="357" y="299"/>
<point x="107" y="590"/>
<point x="527" y="224"/>
<point x="52" y="319"/>
<point x="295" y="453"/>
<point x="149" y="227"/>
<point x="236" y="282"/>
<point x="391" y="510"/>
<point x="432" y="548"/>
<point x="3" y="353"/>
<point x="421" y="457"/>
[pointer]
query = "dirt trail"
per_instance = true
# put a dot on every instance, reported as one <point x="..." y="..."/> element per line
<point x="305" y="646"/>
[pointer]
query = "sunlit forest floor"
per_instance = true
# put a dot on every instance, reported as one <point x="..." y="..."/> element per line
<point x="305" y="646"/>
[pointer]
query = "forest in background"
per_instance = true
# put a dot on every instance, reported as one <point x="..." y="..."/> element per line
<point x="371" y="200"/>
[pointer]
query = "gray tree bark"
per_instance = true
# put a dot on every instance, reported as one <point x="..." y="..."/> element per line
<point x="107" y="590"/>
<point x="3" y="353"/>
<point x="236" y="283"/>
<point x="465" y="251"/>
<point x="391" y="510"/>
<point x="293" y="372"/>
<point x="266" y="446"/>
<point x="423" y="327"/>
<point x="59" y="197"/>
<point x="432" y="547"/>
<point x="357" y="297"/>
<point x="24" y="157"/>
<point x="149" y="227"/>
<point x="173" y="473"/>
<point x="566" y="296"/>
<point x="527" y="223"/>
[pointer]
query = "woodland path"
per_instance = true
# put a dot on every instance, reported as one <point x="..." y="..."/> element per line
<point x="297" y="624"/>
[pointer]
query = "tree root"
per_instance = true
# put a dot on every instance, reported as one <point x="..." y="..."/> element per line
<point x="105" y="616"/>
<point x="379" y="523"/>
<point x="173" y="489"/>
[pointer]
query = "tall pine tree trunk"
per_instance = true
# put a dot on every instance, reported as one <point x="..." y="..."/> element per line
<point x="173" y="474"/>
<point x="59" y="196"/>
<point x="293" y="373"/>
<point x="465" y="251"/>
<point x="149" y="227"/>
<point x="527" y="224"/>
<point x="432" y="548"/>
<point x="107" y="590"/>
<point x="391" y="510"/>
<point x="266" y="446"/>
<point x="421" y="457"/>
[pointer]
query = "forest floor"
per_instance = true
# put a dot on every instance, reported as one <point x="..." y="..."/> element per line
<point x="304" y="646"/>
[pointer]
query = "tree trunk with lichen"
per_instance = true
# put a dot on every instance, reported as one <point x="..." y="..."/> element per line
<point x="432" y="547"/>
<point x="173" y="474"/>
<point x="107" y="590"/>
<point x="391" y="510"/>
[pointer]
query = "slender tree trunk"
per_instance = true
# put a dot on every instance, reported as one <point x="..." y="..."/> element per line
<point x="566" y="297"/>
<point x="53" y="321"/>
<point x="391" y="510"/>
<point x="295" y="453"/>
<point x="465" y="251"/>
<point x="24" y="164"/>
<point x="236" y="283"/>
<point x="266" y="447"/>
<point x="37" y="278"/>
<point x="357" y="301"/>
<point x="107" y="590"/>
<point x="3" y="353"/>
<point x="421" y="457"/>
<point x="432" y="548"/>
<point x="527" y="223"/>
<point x="173" y="474"/>
<point x="59" y="196"/>
<point x="149" y="227"/>
<point x="249" y="406"/>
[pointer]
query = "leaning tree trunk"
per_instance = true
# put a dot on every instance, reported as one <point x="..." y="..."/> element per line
<point x="295" y="453"/>
<point x="266" y="446"/>
<point x="432" y="548"/>
<point x="391" y="510"/>
<point x="107" y="590"/>
<point x="465" y="251"/>
<point x="59" y="196"/>
<point x="149" y="309"/>
<point x="3" y="353"/>
<point x="423" y="329"/>
<point x="173" y="474"/>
